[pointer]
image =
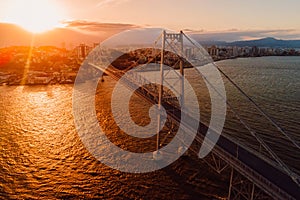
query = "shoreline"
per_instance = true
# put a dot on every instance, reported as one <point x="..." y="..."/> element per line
<point x="72" y="81"/>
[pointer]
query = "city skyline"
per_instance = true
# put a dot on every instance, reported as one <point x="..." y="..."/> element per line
<point x="218" y="20"/>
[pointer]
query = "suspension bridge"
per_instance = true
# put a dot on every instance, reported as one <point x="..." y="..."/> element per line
<point x="252" y="174"/>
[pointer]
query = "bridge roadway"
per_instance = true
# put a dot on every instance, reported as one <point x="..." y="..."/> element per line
<point x="265" y="176"/>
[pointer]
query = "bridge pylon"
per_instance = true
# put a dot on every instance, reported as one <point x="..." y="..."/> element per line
<point x="172" y="41"/>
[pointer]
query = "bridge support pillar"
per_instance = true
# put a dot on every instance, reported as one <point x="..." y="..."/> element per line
<point x="181" y="67"/>
<point x="216" y="163"/>
<point x="173" y="41"/>
<point x="161" y="89"/>
<point x="241" y="188"/>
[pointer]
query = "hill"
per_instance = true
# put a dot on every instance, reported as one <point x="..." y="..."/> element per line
<point x="264" y="42"/>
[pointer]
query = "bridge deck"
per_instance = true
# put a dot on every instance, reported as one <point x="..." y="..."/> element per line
<point x="267" y="177"/>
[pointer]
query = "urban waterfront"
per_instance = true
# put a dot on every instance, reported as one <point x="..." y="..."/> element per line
<point x="43" y="157"/>
<point x="58" y="65"/>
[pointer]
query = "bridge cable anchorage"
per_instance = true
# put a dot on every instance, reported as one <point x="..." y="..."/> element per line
<point x="295" y="177"/>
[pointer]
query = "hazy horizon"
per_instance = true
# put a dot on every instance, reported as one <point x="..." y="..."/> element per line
<point x="15" y="35"/>
<point x="96" y="20"/>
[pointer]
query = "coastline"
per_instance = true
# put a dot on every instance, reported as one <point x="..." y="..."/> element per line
<point x="55" y="80"/>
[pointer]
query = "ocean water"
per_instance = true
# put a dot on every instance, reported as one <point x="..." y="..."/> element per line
<point x="42" y="156"/>
<point x="273" y="83"/>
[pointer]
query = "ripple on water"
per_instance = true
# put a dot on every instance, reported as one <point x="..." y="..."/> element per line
<point x="41" y="155"/>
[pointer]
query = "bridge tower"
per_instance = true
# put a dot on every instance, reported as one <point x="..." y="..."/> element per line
<point x="172" y="41"/>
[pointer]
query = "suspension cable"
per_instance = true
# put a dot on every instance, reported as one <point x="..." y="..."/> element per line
<point x="269" y="118"/>
<point x="259" y="108"/>
<point x="294" y="176"/>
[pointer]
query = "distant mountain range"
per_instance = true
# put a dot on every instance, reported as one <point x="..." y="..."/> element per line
<point x="264" y="42"/>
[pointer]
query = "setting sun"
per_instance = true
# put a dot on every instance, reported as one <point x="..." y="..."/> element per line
<point x="34" y="15"/>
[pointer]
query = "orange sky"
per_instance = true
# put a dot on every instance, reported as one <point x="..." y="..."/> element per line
<point x="203" y="16"/>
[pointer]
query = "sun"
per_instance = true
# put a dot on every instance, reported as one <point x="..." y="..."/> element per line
<point x="35" y="16"/>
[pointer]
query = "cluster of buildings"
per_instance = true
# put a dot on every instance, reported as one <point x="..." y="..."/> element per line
<point x="53" y="65"/>
<point x="220" y="53"/>
<point x="227" y="52"/>
<point x="38" y="65"/>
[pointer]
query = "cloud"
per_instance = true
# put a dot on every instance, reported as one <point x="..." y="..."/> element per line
<point x="98" y="27"/>
<point x="230" y="35"/>
<point x="234" y="35"/>
<point x="193" y="30"/>
<point x="103" y="3"/>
